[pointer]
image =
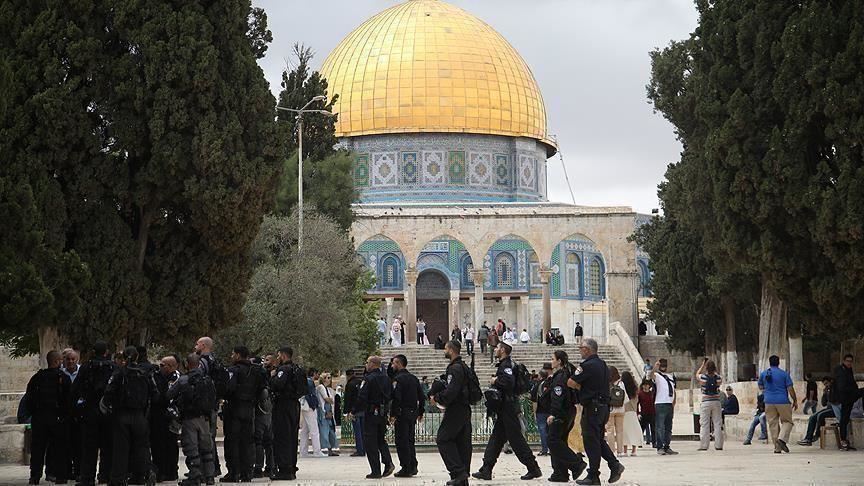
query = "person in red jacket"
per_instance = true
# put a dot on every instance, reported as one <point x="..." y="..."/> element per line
<point x="646" y="410"/>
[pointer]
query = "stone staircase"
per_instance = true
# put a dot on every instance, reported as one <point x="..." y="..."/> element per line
<point x="430" y="362"/>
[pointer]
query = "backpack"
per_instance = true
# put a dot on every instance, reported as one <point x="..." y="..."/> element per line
<point x="311" y="396"/>
<point x="199" y="398"/>
<point x="299" y="384"/>
<point x="247" y="385"/>
<point x="523" y="379"/>
<point x="47" y="392"/>
<point x="98" y="374"/>
<point x="475" y="393"/>
<point x="219" y="374"/>
<point x="617" y="396"/>
<point x="136" y="388"/>
<point x="711" y="387"/>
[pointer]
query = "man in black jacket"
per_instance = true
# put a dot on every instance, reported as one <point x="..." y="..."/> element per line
<point x="287" y="383"/>
<point x="48" y="398"/>
<point x="87" y="391"/>
<point x="454" y="433"/>
<point x="846" y="393"/>
<point x="163" y="443"/>
<point x="244" y="387"/>
<point x="373" y="400"/>
<point x="352" y="388"/>
<point x="562" y="415"/>
<point x="405" y="412"/>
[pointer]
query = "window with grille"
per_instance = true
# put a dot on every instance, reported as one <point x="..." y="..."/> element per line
<point x="504" y="271"/>
<point x="572" y="274"/>
<point x="534" y="265"/>
<point x="596" y="278"/>
<point x="467" y="266"/>
<point x="390" y="273"/>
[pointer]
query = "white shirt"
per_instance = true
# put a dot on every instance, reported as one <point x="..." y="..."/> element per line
<point x="662" y="387"/>
<point x="421" y="327"/>
<point x="524" y="337"/>
<point x="469" y="334"/>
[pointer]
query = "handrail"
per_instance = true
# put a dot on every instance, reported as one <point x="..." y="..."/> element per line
<point x="631" y="354"/>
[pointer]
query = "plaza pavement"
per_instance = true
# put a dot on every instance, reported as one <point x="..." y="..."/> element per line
<point x="736" y="465"/>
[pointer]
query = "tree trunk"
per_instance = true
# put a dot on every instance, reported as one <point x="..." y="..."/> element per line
<point x="49" y="340"/>
<point x="796" y="355"/>
<point x="772" y="326"/>
<point x="731" y="358"/>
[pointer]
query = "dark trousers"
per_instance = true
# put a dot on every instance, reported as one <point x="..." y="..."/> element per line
<point x="213" y="426"/>
<point x="240" y="439"/>
<point x="286" y="432"/>
<point x="163" y="448"/>
<point x="594" y="419"/>
<point x="197" y="447"/>
<point x="454" y="440"/>
<point x="405" y="449"/>
<point x="48" y="430"/>
<point x="482" y="346"/>
<point x="73" y="460"/>
<point x="508" y="429"/>
<point x="263" y="441"/>
<point x="816" y="421"/>
<point x="647" y="423"/>
<point x="563" y="458"/>
<point x="377" y="450"/>
<point x="357" y="427"/>
<point x="469" y="347"/>
<point x="420" y="336"/>
<point x="95" y="446"/>
<point x="846" y="414"/>
<point x="664" y="412"/>
<point x="130" y="444"/>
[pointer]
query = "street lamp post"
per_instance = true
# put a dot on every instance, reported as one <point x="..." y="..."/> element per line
<point x="300" y="114"/>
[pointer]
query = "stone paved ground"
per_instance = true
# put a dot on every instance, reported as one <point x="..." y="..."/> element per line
<point x="737" y="465"/>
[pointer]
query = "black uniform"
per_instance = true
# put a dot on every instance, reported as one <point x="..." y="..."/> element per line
<point x="211" y="366"/>
<point x="562" y="403"/>
<point x="163" y="444"/>
<point x="87" y="391"/>
<point x="129" y="393"/>
<point x="263" y="434"/>
<point x="195" y="396"/>
<point x="454" y="433"/>
<point x="373" y="399"/>
<point x="286" y="418"/>
<point x="244" y="387"/>
<point x="407" y="406"/>
<point x="507" y="427"/>
<point x="48" y="398"/>
<point x="593" y="376"/>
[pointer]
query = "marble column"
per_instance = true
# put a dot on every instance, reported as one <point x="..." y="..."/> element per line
<point x="389" y="314"/>
<point x="505" y="301"/>
<point x="479" y="277"/>
<point x="545" y="276"/>
<point x="524" y="319"/>
<point x="454" y="311"/>
<point x="410" y="316"/>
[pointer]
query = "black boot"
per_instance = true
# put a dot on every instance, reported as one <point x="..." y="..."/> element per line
<point x="532" y="473"/>
<point x="483" y="473"/>
<point x="580" y="467"/>
<point x="589" y="481"/>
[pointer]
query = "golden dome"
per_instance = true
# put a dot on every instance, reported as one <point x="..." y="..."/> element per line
<point x="427" y="66"/>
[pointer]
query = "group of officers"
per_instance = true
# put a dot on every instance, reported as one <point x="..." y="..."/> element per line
<point x="130" y="414"/>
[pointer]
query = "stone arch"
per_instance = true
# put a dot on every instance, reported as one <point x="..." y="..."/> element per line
<point x="570" y="280"/>
<point x="484" y="245"/>
<point x="520" y="250"/>
<point x="378" y="252"/>
<point x="452" y="249"/>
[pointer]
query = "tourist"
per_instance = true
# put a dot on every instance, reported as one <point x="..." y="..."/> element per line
<point x="456" y="334"/>
<point x="632" y="430"/>
<point x="758" y="419"/>
<point x="494" y="339"/>
<point x="647" y="366"/>
<point x="811" y="396"/>
<point x="382" y="331"/>
<point x="550" y="338"/>
<point x="615" y="425"/>
<point x="524" y="338"/>
<point x="499" y="330"/>
<point x="847" y="393"/>
<point x="664" y="405"/>
<point x="352" y="388"/>
<point x="402" y="325"/>
<point x="439" y="342"/>
<point x="70" y="368"/>
<point x="326" y="414"/>
<point x="421" y="331"/>
<point x="643" y="328"/>
<point x="396" y="333"/>
<point x="710" y="410"/>
<point x="47" y="391"/>
<point x="483" y="337"/>
<point x="469" y="340"/>
<point x="730" y="404"/>
<point x="646" y="411"/>
<point x="817" y="420"/>
<point x="309" y="431"/>
<point x="578" y="332"/>
<point x="540" y="397"/>
<point x="510" y="337"/>
<point x="778" y="389"/>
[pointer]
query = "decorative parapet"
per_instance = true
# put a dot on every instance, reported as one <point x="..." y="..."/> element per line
<point x="620" y="337"/>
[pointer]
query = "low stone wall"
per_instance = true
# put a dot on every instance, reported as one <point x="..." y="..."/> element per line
<point x="9" y="404"/>
<point x="738" y="425"/>
<point x="16" y="372"/>
<point x="746" y="391"/>
<point x="12" y="444"/>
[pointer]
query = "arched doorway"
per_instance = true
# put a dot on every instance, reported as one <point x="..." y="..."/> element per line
<point x="433" y="293"/>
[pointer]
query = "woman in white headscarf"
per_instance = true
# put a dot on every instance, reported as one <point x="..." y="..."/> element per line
<point x="396" y="332"/>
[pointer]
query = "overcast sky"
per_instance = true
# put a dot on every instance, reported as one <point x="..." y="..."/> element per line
<point x="590" y="58"/>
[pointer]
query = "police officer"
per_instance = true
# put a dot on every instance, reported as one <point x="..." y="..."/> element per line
<point x="87" y="391"/>
<point x="454" y="433"/>
<point x="562" y="413"/>
<point x="214" y="369"/>
<point x="195" y="397"/>
<point x="373" y="399"/>
<point x="288" y="384"/>
<point x="507" y="427"/>
<point x="163" y="443"/>
<point x="244" y="387"/>
<point x="264" y="425"/>
<point x="591" y="378"/>
<point x="48" y="398"/>
<point x="128" y="395"/>
<point x="405" y="412"/>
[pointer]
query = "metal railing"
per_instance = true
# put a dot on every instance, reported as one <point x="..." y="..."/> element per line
<point x="426" y="430"/>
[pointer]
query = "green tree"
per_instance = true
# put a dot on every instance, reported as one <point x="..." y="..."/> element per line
<point x="327" y="182"/>
<point x="314" y="302"/>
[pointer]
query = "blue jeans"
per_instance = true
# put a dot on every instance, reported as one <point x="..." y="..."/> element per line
<point x="543" y="429"/>
<point x="758" y="419"/>
<point x="357" y="427"/>
<point x="664" y="412"/>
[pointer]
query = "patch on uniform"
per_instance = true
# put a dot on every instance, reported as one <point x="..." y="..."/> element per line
<point x="362" y="383"/>
<point x="449" y="379"/>
<point x="558" y="391"/>
<point x="509" y="371"/>
<point x="394" y="385"/>
<point x="230" y="375"/>
<point x="110" y="379"/>
<point x="279" y="375"/>
<point x="578" y="370"/>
